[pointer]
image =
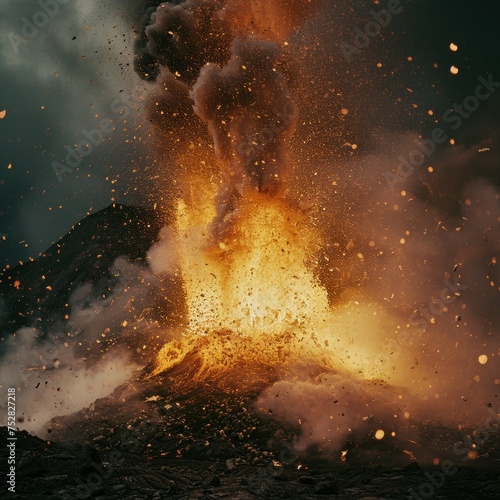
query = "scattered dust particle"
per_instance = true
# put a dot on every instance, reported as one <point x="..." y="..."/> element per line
<point x="483" y="359"/>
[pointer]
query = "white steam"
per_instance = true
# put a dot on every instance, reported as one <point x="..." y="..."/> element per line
<point x="68" y="366"/>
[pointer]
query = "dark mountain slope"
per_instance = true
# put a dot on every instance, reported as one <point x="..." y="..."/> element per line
<point x="32" y="292"/>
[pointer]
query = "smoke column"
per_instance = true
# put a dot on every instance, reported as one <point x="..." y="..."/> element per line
<point x="226" y="59"/>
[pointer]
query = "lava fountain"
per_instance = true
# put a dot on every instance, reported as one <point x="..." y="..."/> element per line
<point x="259" y="282"/>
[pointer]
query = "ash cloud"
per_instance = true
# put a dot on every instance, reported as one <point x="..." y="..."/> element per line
<point x="334" y="413"/>
<point x="428" y="255"/>
<point x="182" y="37"/>
<point x="185" y="35"/>
<point x="55" y="380"/>
<point x="226" y="59"/>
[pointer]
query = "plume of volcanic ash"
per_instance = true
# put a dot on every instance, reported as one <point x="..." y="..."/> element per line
<point x="225" y="112"/>
<point x="220" y="64"/>
<point x="250" y="114"/>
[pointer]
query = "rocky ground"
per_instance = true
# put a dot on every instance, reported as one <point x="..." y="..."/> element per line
<point x="53" y="471"/>
<point x="170" y="437"/>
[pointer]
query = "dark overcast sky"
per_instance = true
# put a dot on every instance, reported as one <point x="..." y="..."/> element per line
<point x="69" y="75"/>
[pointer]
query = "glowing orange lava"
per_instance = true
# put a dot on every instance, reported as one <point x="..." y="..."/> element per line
<point x="259" y="278"/>
<point x="258" y="281"/>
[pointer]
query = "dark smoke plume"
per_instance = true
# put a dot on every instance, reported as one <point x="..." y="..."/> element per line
<point x="182" y="37"/>
<point x="224" y="59"/>
<point x="250" y="113"/>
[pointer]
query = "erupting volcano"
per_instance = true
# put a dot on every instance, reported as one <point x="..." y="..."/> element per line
<point x="245" y="249"/>
<point x="304" y="316"/>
